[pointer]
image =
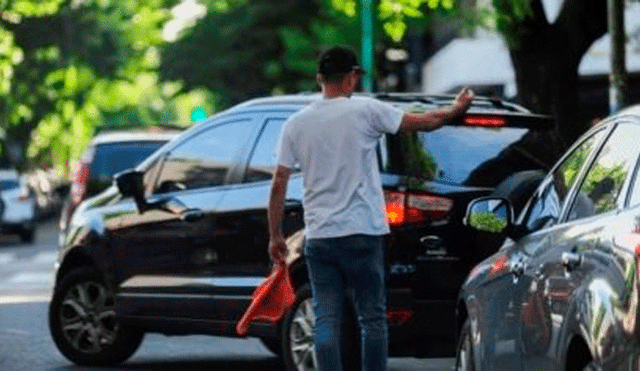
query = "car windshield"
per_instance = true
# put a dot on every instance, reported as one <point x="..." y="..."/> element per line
<point x="8" y="184"/>
<point x="111" y="158"/>
<point x="450" y="154"/>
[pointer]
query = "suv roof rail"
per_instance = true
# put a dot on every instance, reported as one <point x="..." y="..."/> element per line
<point x="442" y="99"/>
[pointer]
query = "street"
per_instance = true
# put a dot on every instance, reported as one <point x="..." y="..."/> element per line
<point x="25" y="344"/>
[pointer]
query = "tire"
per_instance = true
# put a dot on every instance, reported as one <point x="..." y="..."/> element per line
<point x="298" y="326"/>
<point x="465" y="351"/>
<point x="518" y="188"/>
<point x="83" y="323"/>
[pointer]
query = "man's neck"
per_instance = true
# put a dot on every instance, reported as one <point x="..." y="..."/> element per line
<point x="330" y="91"/>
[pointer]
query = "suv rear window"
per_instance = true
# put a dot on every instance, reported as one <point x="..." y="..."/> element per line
<point x="449" y="154"/>
<point x="111" y="158"/>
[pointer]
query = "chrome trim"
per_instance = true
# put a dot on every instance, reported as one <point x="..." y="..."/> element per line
<point x="186" y="296"/>
<point x="176" y="281"/>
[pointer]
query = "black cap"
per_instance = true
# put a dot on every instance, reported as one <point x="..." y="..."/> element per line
<point x="338" y="60"/>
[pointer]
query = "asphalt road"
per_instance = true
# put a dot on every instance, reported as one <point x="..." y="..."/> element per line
<point x="25" y="344"/>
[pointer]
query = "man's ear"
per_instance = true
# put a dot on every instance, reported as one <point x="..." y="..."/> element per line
<point x="320" y="79"/>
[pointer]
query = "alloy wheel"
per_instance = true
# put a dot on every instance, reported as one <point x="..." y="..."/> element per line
<point x="88" y="317"/>
<point x="301" y="335"/>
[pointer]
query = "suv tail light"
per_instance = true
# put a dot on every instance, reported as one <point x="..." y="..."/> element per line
<point x="411" y="208"/>
<point x="80" y="179"/>
<point x="485" y="121"/>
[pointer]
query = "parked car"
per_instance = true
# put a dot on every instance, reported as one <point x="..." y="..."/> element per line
<point x="562" y="292"/>
<point x="108" y="153"/>
<point x="181" y="243"/>
<point x="18" y="208"/>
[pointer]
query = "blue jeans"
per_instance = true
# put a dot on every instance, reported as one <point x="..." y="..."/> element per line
<point x="348" y="267"/>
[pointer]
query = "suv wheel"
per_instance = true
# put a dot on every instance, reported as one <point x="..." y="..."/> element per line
<point x="298" y="329"/>
<point x="83" y="324"/>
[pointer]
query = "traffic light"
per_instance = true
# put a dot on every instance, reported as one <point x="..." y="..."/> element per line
<point x="198" y="114"/>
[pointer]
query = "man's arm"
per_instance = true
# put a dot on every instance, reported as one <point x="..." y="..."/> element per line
<point x="436" y="118"/>
<point x="277" y="247"/>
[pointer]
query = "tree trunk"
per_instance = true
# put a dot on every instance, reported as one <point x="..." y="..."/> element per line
<point x="546" y="59"/>
<point x="547" y="81"/>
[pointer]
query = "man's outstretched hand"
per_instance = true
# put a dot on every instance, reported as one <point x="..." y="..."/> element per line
<point x="463" y="100"/>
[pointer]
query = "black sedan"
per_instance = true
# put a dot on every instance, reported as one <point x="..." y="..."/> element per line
<point x="562" y="292"/>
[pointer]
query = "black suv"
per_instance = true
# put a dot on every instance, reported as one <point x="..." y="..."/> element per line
<point x="178" y="245"/>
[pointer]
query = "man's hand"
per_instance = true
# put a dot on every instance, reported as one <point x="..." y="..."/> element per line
<point x="277" y="249"/>
<point x="435" y="118"/>
<point x="463" y="100"/>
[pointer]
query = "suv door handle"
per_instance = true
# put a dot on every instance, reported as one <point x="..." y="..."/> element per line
<point x="571" y="260"/>
<point x="192" y="215"/>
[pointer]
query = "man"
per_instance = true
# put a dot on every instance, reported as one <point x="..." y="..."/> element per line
<point x="334" y="142"/>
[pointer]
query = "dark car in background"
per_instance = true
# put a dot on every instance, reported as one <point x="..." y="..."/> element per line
<point x="179" y="244"/>
<point x="110" y="152"/>
<point x="562" y="292"/>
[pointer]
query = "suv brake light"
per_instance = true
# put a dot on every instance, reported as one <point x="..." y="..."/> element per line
<point x="410" y="208"/>
<point x="80" y="179"/>
<point x="485" y="121"/>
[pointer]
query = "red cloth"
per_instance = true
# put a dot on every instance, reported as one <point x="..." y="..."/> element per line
<point x="269" y="301"/>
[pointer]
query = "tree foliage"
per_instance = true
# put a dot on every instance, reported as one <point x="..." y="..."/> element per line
<point x="72" y="67"/>
<point x="254" y="48"/>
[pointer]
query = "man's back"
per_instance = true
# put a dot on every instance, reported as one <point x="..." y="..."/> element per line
<point x="334" y="142"/>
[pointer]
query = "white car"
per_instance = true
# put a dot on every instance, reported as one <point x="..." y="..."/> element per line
<point x="18" y="208"/>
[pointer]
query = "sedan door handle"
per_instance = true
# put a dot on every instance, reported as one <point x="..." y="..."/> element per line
<point x="192" y="215"/>
<point x="571" y="260"/>
<point x="518" y="264"/>
<point x="517" y="268"/>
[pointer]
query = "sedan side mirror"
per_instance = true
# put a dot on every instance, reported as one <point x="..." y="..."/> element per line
<point x="129" y="183"/>
<point x="494" y="215"/>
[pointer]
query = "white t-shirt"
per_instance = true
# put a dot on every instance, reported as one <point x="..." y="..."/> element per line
<point x="334" y="142"/>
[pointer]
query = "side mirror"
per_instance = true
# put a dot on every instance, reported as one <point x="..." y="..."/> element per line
<point x="494" y="215"/>
<point x="129" y="183"/>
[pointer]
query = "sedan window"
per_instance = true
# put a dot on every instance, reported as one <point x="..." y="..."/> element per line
<point x="546" y="206"/>
<point x="602" y="185"/>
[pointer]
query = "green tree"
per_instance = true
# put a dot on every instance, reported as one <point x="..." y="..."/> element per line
<point x="254" y="48"/>
<point x="78" y="65"/>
